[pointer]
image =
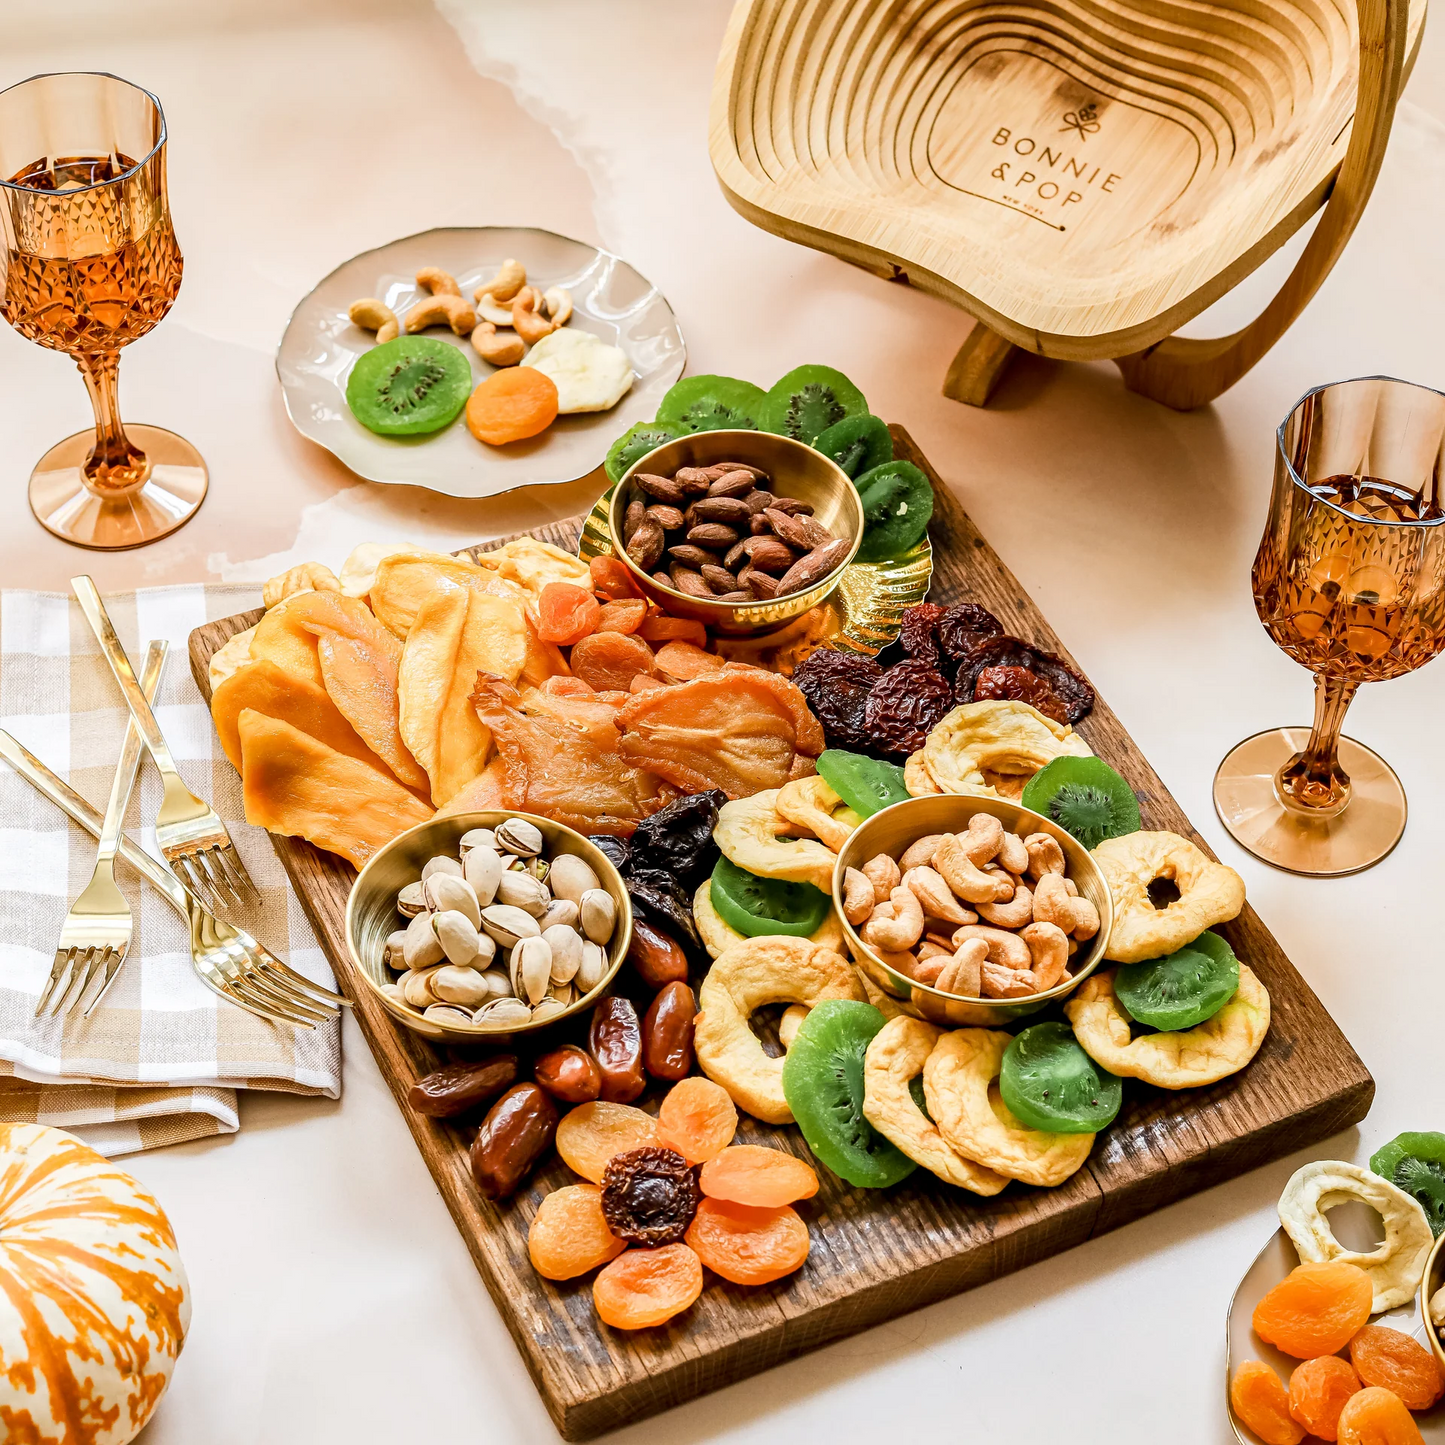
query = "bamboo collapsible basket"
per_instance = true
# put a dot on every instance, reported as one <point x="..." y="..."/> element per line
<point x="1083" y="176"/>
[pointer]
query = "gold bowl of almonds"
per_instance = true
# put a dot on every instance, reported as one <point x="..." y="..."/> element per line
<point x="743" y="531"/>
<point x="486" y="925"/>
<point x="970" y="911"/>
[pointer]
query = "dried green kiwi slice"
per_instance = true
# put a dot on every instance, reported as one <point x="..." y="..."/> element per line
<point x="755" y="906"/>
<point x="897" y="504"/>
<point x="857" y="443"/>
<point x="865" y="784"/>
<point x="1049" y="1082"/>
<point x="635" y="443"/>
<point x="1085" y="797"/>
<point x="409" y="386"/>
<point x="823" y="1084"/>
<point x="711" y="403"/>
<point x="807" y="401"/>
<point x="1183" y="988"/>
<point x="1416" y="1164"/>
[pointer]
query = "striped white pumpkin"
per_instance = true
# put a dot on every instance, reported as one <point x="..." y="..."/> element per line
<point x="94" y="1303"/>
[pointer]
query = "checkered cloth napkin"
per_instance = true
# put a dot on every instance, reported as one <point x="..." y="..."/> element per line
<point x="161" y="1059"/>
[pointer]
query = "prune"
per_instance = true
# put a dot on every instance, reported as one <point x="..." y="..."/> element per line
<point x="1020" y="685"/>
<point x="446" y="1092"/>
<point x="649" y="1196"/>
<point x="1072" y="690"/>
<point x="837" y="685"/>
<point x="677" y="840"/>
<point x="615" y="850"/>
<point x="661" y="901"/>
<point x="962" y="626"/>
<point x="905" y="706"/>
<point x="918" y="633"/>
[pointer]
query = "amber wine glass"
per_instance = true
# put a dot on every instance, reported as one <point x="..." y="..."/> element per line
<point x="1350" y="582"/>
<point x="91" y="264"/>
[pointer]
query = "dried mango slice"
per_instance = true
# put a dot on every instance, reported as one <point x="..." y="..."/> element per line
<point x="458" y="633"/>
<point x="287" y="634"/>
<point x="532" y="564"/>
<point x="404" y="580"/>
<point x="361" y="677"/>
<point x="295" y="785"/>
<point x="737" y="728"/>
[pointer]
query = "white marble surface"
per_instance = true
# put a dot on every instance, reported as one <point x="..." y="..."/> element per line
<point x="334" y="1301"/>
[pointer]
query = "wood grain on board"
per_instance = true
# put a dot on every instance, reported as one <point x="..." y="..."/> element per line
<point x="875" y="1255"/>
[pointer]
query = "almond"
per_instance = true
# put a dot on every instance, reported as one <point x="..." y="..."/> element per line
<point x="809" y="570"/>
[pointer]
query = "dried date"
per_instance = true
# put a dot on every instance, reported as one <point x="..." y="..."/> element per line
<point x="457" y="1088"/>
<point x="649" y="1196"/>
<point x="615" y="1039"/>
<point x="667" y="1033"/>
<point x="905" y="706"/>
<point x="569" y="1074"/>
<point x="658" y="959"/>
<point x="513" y="1136"/>
<point x="1021" y="685"/>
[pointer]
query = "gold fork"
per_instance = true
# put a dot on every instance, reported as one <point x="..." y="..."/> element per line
<point x="95" y="937"/>
<point x="189" y="832"/>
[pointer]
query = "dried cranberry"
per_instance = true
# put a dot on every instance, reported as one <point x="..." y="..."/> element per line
<point x="1072" y="691"/>
<point x="1021" y="685"/>
<point x="918" y="632"/>
<point x="649" y="1196"/>
<point x="905" y="705"/>
<point x="962" y="626"/>
<point x="837" y="685"/>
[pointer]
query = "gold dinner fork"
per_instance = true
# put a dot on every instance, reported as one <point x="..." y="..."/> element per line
<point x="189" y="832"/>
<point x="227" y="959"/>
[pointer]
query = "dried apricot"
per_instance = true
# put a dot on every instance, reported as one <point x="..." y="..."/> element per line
<point x="1391" y="1359"/>
<point x="591" y="1134"/>
<point x="646" y="1287"/>
<point x="1318" y="1390"/>
<point x="569" y="1235"/>
<point x="1315" y="1309"/>
<point x="567" y="687"/>
<point x="686" y="660"/>
<point x="659" y="627"/>
<point x="698" y="1118"/>
<point x="511" y="405"/>
<point x="612" y="580"/>
<point x="762" y="1178"/>
<point x="642" y="682"/>
<point x="566" y="613"/>
<point x="746" y="1245"/>
<point x="1259" y="1399"/>
<point x="623" y="616"/>
<point x="1378" y="1417"/>
<point x="610" y="659"/>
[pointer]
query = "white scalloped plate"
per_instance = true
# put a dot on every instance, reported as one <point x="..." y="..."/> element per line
<point x="609" y="299"/>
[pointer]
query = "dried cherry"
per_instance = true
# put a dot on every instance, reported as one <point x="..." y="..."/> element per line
<point x="677" y="840"/>
<point x="905" y="706"/>
<point x="962" y="626"/>
<point x="649" y="1196"/>
<point x="1020" y="685"/>
<point x="918" y="631"/>
<point x="836" y="685"/>
<point x="1072" y="690"/>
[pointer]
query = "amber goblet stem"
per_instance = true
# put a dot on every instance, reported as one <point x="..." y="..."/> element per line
<point x="1312" y="783"/>
<point x="116" y="465"/>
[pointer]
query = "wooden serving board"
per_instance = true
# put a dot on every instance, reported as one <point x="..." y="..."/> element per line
<point x="875" y="1255"/>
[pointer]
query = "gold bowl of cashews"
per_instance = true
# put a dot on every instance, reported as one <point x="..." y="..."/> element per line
<point x="1432" y="1300"/>
<point x="970" y="911"/>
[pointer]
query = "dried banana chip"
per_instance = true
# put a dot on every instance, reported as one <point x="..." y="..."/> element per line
<point x="993" y="748"/>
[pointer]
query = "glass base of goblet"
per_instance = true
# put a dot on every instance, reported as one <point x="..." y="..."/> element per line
<point x="1355" y="839"/>
<point x="64" y="505"/>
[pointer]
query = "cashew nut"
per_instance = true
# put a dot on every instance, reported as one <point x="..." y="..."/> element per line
<point x="497" y="349"/>
<point x="935" y="895"/>
<point x="1008" y="950"/>
<point x="1049" y="949"/>
<point x="437" y="281"/>
<point x="962" y="875"/>
<point x="1018" y="911"/>
<point x="929" y="949"/>
<point x="898" y="933"/>
<point x="904" y="963"/>
<point x="1013" y="855"/>
<point x="373" y="315"/>
<point x="882" y="872"/>
<point x="510" y="278"/>
<point x="963" y="973"/>
<point x="858" y="896"/>
<point x="1053" y="904"/>
<point x="442" y="310"/>
<point x="928" y="970"/>
<point x="1045" y="855"/>
<point x="531" y="317"/>
<point x="492" y="310"/>
<point x="983" y="839"/>
<point x="919" y="854"/>
<point x="1000" y="982"/>
<point x="559" y="304"/>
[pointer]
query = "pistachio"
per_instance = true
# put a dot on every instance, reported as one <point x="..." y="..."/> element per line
<point x="497" y="982"/>
<point x="593" y="968"/>
<point x="484" y="869"/>
<point x="446" y="1013"/>
<point x="559" y="910"/>
<point x="393" y="950"/>
<point x="518" y="836"/>
<point x="444" y="891"/>
<point x="416" y="988"/>
<point x="458" y="938"/>
<point x="393" y="992"/>
<point x="421" y="948"/>
<point x="521" y="890"/>
<point x="476" y="838"/>
<point x="509" y="925"/>
<point x="411" y="900"/>
<point x="549" y="1008"/>
<point x="486" y="951"/>
<point x="563" y="993"/>
<point x="441" y="864"/>
<point x="503" y="1013"/>
<point x="465" y="986"/>
<point x="599" y="914"/>
<point x="531" y="969"/>
<point x="566" y="946"/>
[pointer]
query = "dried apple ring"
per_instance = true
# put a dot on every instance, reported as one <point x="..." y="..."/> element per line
<point x="743" y="979"/>
<point x="895" y="1058"/>
<point x="810" y="803"/>
<point x="746" y="833"/>
<point x="960" y="1085"/>
<point x="1220" y="1046"/>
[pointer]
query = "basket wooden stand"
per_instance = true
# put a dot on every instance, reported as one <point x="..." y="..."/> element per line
<point x="1082" y="176"/>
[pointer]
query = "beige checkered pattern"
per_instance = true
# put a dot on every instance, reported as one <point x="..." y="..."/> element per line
<point x="160" y="1061"/>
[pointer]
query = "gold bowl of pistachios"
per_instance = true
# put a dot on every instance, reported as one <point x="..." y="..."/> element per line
<point x="486" y="925"/>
